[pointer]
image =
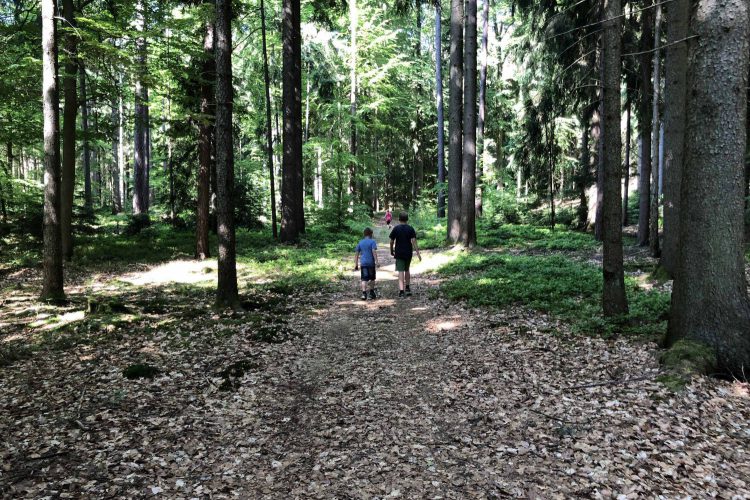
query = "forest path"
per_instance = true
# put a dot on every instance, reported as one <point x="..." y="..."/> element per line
<point x="414" y="398"/>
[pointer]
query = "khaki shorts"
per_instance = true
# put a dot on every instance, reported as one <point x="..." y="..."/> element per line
<point x="402" y="264"/>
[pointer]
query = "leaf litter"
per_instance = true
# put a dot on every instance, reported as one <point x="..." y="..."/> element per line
<point x="381" y="399"/>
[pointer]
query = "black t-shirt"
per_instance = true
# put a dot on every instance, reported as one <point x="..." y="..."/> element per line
<point x="403" y="234"/>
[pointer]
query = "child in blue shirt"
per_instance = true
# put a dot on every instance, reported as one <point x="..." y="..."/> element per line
<point x="366" y="257"/>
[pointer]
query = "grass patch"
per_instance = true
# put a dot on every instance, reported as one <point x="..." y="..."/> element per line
<point x="553" y="284"/>
<point x="535" y="238"/>
<point x="687" y="357"/>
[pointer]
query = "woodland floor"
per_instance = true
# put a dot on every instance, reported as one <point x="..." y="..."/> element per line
<point x="413" y="398"/>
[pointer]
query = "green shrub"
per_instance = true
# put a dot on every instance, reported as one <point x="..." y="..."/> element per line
<point x="556" y="285"/>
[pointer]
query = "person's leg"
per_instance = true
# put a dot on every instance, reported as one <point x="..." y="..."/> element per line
<point x="407" y="278"/>
<point x="401" y="281"/>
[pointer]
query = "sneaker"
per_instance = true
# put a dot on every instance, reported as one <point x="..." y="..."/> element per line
<point x="408" y="291"/>
<point x="364" y="295"/>
<point x="400" y="294"/>
<point x="372" y="295"/>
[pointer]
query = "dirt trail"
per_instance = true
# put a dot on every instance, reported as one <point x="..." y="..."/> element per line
<point x="412" y="398"/>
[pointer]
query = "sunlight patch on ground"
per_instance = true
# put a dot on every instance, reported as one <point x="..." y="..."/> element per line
<point x="176" y="271"/>
<point x="438" y="325"/>
<point x="741" y="389"/>
<point x="47" y="322"/>
<point x="11" y="338"/>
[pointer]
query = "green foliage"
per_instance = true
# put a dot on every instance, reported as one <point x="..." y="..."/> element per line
<point x="555" y="284"/>
<point x="534" y="237"/>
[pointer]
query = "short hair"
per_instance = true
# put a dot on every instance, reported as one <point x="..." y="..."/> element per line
<point x="403" y="217"/>
<point x="368" y="231"/>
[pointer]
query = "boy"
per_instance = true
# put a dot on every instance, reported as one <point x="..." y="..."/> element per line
<point x="404" y="238"/>
<point x="366" y="256"/>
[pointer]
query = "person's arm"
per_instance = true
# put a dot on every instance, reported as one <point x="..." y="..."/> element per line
<point x="375" y="256"/>
<point x="356" y="260"/>
<point x="392" y="242"/>
<point x="416" y="247"/>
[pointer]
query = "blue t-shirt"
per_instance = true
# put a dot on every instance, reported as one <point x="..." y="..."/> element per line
<point x="366" y="247"/>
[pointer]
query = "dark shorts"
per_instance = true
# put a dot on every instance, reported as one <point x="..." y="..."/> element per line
<point x="403" y="264"/>
<point x="367" y="273"/>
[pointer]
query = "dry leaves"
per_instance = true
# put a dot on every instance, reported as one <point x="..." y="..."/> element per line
<point x="388" y="399"/>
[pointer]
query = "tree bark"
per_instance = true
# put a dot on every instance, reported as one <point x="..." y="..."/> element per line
<point x="709" y="298"/>
<point x="352" y="98"/>
<point x="614" y="301"/>
<point x="70" y="112"/>
<point x="481" y="146"/>
<point x="140" y="146"/>
<point x="468" y="235"/>
<point x="52" y="284"/>
<point x="115" y="165"/>
<point x="418" y="171"/>
<point x="86" y="149"/>
<point x="675" y="82"/>
<point x="205" y="139"/>
<point x="582" y="179"/>
<point x="597" y="129"/>
<point x="226" y="291"/>
<point x="455" y="124"/>
<point x="644" y="123"/>
<point x="626" y="182"/>
<point x="655" y="164"/>
<point x="269" y="132"/>
<point x="292" y="208"/>
<point x="440" y="119"/>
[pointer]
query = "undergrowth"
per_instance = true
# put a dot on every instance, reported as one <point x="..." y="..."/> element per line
<point x="554" y="284"/>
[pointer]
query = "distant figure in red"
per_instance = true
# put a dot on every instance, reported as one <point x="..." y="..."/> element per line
<point x="388" y="218"/>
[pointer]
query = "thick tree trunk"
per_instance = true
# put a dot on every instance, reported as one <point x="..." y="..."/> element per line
<point x="140" y="146"/>
<point x="52" y="284"/>
<point x="205" y="141"/>
<point x="455" y="124"/>
<point x="626" y="166"/>
<point x="226" y="291"/>
<point x="614" y="301"/>
<point x="709" y="298"/>
<point x="121" y="148"/>
<point x="440" y="119"/>
<point x="269" y="132"/>
<point x="70" y="112"/>
<point x="678" y="18"/>
<point x="86" y="149"/>
<point x="292" y="208"/>
<point x="468" y="235"/>
<point x="644" y="123"/>
<point x="655" y="142"/>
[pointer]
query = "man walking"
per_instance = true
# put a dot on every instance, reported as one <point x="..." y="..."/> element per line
<point x="403" y="244"/>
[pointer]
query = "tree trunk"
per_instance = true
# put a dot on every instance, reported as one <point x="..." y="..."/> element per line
<point x="418" y="174"/>
<point x="70" y="112"/>
<point x="292" y="217"/>
<point x="709" y="298"/>
<point x="626" y="183"/>
<point x="644" y="123"/>
<point x="481" y="146"/>
<point x="269" y="132"/>
<point x="140" y="167"/>
<point x="440" y="119"/>
<point x="121" y="147"/>
<point x="455" y="124"/>
<point x="582" y="179"/>
<point x="678" y="18"/>
<point x="86" y="149"/>
<point x="52" y="284"/>
<point x="655" y="164"/>
<point x="115" y="166"/>
<point x="468" y="235"/>
<point x="597" y="129"/>
<point x="319" y="178"/>
<point x="352" y="98"/>
<point x="205" y="140"/>
<point x="614" y="301"/>
<point x="226" y="291"/>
